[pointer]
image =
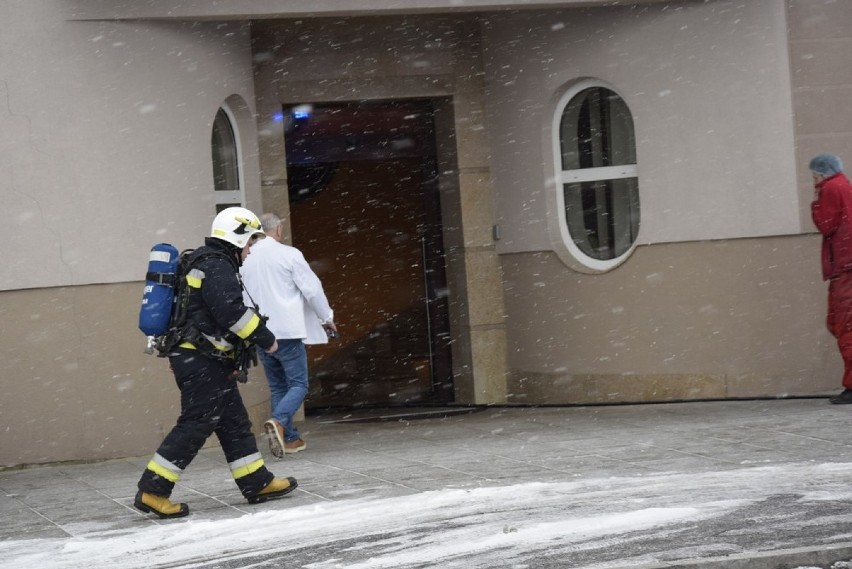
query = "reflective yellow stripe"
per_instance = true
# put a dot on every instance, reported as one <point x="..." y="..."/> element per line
<point x="220" y="344"/>
<point x="162" y="467"/>
<point x="246" y="466"/>
<point x="246" y="470"/>
<point x="194" y="278"/>
<point x="216" y="345"/>
<point x="253" y="223"/>
<point x="246" y="325"/>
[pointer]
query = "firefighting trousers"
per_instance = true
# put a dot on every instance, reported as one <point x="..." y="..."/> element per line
<point x="839" y="320"/>
<point x="209" y="403"/>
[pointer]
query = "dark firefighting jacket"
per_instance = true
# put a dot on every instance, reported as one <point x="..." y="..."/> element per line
<point x="217" y="319"/>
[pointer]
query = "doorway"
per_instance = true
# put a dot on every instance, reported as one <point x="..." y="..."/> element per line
<point x="365" y="211"/>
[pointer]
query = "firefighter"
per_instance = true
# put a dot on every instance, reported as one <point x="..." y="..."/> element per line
<point x="208" y="348"/>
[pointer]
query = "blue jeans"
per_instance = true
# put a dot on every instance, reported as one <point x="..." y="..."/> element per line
<point x="287" y="374"/>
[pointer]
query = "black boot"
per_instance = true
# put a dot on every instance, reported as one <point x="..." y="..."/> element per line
<point x="844" y="398"/>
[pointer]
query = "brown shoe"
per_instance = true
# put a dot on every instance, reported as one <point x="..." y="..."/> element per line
<point x="275" y="489"/>
<point x="295" y="446"/>
<point x="275" y="436"/>
<point x="160" y="505"/>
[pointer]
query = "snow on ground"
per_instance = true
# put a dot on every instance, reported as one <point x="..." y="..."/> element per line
<point x="500" y="526"/>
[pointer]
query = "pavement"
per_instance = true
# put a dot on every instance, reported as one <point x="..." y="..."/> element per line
<point x="759" y="484"/>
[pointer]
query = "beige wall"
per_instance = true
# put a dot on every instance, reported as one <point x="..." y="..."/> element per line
<point x="104" y="151"/>
<point x="736" y="318"/>
<point x="723" y="297"/>
<point x="820" y="44"/>
<point x="710" y="102"/>
<point x="105" y="142"/>
<point x="76" y="382"/>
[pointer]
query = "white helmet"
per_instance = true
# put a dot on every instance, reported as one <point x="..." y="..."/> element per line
<point x="235" y="225"/>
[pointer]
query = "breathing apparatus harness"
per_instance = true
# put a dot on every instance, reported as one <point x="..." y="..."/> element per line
<point x="184" y="330"/>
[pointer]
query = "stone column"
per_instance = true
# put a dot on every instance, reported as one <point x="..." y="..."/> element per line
<point x="473" y="266"/>
<point x="270" y="127"/>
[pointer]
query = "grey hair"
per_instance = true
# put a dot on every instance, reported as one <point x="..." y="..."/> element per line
<point x="269" y="222"/>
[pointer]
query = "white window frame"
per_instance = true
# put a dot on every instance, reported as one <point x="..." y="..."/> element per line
<point x="237" y="196"/>
<point x="577" y="259"/>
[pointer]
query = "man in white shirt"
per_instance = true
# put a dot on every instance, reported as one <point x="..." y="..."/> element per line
<point x="290" y="294"/>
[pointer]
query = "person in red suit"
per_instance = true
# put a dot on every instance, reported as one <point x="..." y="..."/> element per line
<point x="831" y="210"/>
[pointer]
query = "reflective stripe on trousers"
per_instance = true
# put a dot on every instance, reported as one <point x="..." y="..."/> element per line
<point x="210" y="403"/>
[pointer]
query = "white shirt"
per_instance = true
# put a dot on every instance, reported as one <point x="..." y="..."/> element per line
<point x="286" y="290"/>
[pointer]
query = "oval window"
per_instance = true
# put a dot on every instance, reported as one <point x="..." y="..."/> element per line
<point x="597" y="175"/>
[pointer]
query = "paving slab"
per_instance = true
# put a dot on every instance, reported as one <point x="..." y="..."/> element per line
<point x="763" y="484"/>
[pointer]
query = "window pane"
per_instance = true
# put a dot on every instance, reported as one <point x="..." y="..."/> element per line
<point x="603" y="216"/>
<point x="225" y="165"/>
<point x="596" y="130"/>
<point x="220" y="207"/>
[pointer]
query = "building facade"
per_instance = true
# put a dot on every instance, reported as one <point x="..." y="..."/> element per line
<point x="509" y="203"/>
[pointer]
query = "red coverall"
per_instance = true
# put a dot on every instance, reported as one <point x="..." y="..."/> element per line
<point x="832" y="214"/>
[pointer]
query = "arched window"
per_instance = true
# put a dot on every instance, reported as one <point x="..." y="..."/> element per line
<point x="227" y="178"/>
<point x="597" y="175"/>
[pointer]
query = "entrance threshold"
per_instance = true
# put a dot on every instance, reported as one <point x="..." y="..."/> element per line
<point x="388" y="415"/>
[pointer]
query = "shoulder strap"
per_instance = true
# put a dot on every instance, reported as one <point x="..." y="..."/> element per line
<point x="248" y="294"/>
<point x="180" y="325"/>
<point x="230" y="258"/>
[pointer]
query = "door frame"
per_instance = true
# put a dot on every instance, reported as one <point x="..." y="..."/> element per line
<point x="434" y="270"/>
